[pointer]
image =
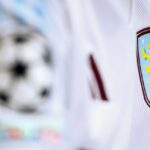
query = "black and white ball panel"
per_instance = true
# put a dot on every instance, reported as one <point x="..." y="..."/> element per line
<point x="8" y="53"/>
<point x="26" y="70"/>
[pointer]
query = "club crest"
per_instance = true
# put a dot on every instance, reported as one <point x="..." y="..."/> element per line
<point x="143" y="60"/>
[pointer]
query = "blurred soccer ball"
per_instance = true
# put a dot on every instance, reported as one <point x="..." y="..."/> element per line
<point x="25" y="70"/>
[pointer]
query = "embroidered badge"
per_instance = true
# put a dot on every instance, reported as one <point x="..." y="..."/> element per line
<point x="143" y="60"/>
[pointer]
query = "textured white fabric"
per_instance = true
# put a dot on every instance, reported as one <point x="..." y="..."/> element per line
<point x="107" y="30"/>
<point x="103" y="31"/>
<point x="140" y="132"/>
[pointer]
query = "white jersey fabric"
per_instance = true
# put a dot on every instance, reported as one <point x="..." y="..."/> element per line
<point x="140" y="133"/>
<point x="105" y="30"/>
<point x="95" y="45"/>
<point x="103" y="39"/>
